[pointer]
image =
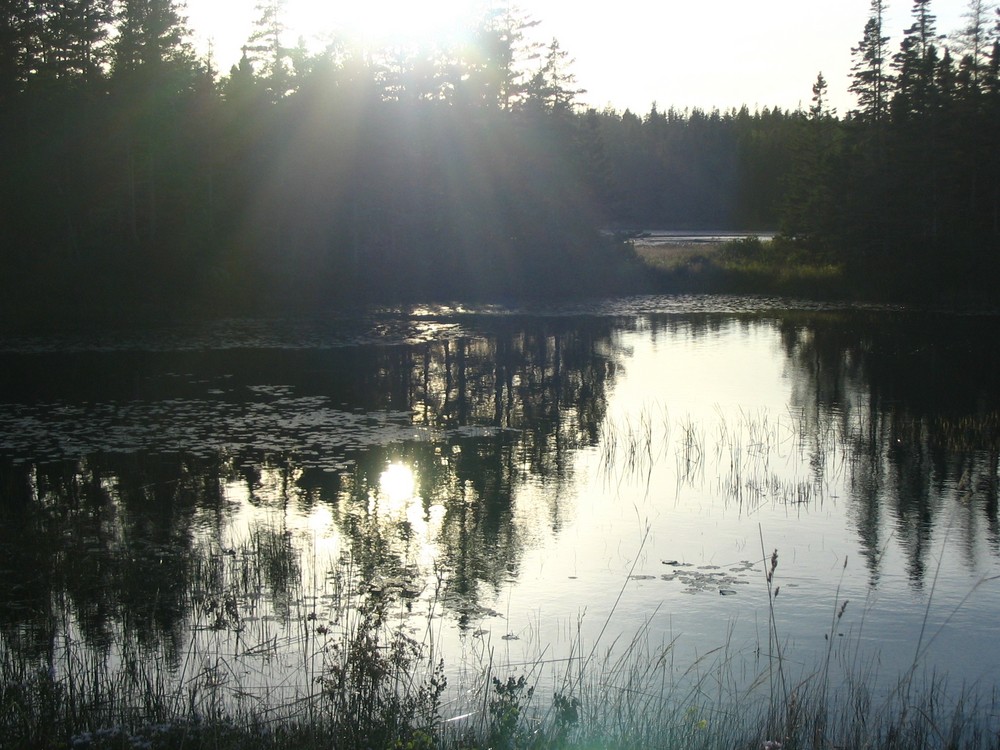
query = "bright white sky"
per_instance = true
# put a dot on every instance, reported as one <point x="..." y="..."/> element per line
<point x="630" y="53"/>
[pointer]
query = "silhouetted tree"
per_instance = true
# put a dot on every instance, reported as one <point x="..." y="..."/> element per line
<point x="21" y="25"/>
<point x="870" y="79"/>
<point x="809" y="209"/>
<point x="75" y="40"/>
<point x="491" y="74"/>
<point x="973" y="40"/>
<point x="553" y="86"/>
<point x="265" y="50"/>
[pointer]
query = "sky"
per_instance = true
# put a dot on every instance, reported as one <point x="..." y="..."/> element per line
<point x="627" y="54"/>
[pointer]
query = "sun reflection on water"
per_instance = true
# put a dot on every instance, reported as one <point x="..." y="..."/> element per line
<point x="397" y="487"/>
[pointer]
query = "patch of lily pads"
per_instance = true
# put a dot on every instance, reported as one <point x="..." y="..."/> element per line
<point x="705" y="578"/>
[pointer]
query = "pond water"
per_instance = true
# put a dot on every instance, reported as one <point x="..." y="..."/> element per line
<point x="526" y="485"/>
<point x="681" y="238"/>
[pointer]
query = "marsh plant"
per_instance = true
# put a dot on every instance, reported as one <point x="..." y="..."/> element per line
<point x="351" y="671"/>
<point x="374" y="685"/>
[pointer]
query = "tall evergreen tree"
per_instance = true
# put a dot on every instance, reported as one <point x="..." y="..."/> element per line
<point x="972" y="41"/>
<point x="153" y="68"/>
<point x="915" y="136"/>
<point x="809" y="207"/>
<point x="916" y="64"/>
<point x="871" y="82"/>
<point x="870" y="79"/>
<point x="265" y="50"/>
<point x="75" y="39"/>
<point x="21" y="23"/>
<point x="240" y="86"/>
<point x="992" y="87"/>
<point x="493" y="75"/>
<point x="553" y="86"/>
<point x="152" y="40"/>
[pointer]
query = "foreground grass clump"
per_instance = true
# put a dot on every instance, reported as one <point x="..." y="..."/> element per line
<point x="749" y="265"/>
<point x="371" y="692"/>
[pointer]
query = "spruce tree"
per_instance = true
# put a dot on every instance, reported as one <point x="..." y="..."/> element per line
<point x="915" y="137"/>
<point x="808" y="209"/>
<point x="75" y="39"/>
<point x="972" y="41"/>
<point x="916" y="64"/>
<point x="492" y="75"/>
<point x="870" y="79"/>
<point x="21" y="25"/>
<point x="553" y="86"/>
<point x="265" y="50"/>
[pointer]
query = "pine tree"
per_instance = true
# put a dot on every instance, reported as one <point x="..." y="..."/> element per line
<point x="808" y="212"/>
<point x="240" y="86"/>
<point x="819" y="110"/>
<point x="491" y="74"/>
<point x="152" y="38"/>
<point x="916" y="64"/>
<point x="21" y="25"/>
<point x="915" y="141"/>
<point x="992" y="88"/>
<point x="265" y="50"/>
<point x="152" y="69"/>
<point x="972" y="40"/>
<point x="870" y="78"/>
<point x="553" y="86"/>
<point x="75" y="39"/>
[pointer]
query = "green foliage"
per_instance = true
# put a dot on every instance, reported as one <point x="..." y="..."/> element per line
<point x="781" y="266"/>
<point x="566" y="710"/>
<point x="507" y="706"/>
<point x="373" y="699"/>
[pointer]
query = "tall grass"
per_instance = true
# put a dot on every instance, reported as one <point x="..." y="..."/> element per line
<point x="777" y="266"/>
<point x="372" y="684"/>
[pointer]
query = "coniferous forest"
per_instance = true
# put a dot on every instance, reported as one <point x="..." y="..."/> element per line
<point x="138" y="178"/>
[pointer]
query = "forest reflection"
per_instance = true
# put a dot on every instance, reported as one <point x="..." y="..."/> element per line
<point x="915" y="402"/>
<point x="130" y="536"/>
<point x="444" y="434"/>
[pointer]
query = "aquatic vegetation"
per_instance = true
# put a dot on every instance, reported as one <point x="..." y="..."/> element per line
<point x="439" y="549"/>
<point x="373" y="684"/>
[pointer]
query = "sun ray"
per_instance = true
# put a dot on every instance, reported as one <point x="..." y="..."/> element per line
<point x="381" y="22"/>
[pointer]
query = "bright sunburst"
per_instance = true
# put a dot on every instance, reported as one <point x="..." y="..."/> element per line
<point x="385" y="21"/>
<point x="397" y="486"/>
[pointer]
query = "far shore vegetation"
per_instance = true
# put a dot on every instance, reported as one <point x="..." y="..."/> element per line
<point x="139" y="181"/>
<point x="745" y="266"/>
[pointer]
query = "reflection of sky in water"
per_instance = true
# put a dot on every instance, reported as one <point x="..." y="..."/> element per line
<point x="739" y="368"/>
<point x="711" y="453"/>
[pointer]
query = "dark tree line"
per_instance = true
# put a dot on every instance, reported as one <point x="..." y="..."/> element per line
<point x="692" y="169"/>
<point x="906" y="187"/>
<point x="135" y="176"/>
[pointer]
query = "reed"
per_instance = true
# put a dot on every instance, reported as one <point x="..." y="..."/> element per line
<point x="374" y="680"/>
<point x="371" y="695"/>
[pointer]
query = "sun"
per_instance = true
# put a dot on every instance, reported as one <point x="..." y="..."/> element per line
<point x="381" y="22"/>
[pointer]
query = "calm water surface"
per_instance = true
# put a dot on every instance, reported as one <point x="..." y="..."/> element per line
<point x="524" y="484"/>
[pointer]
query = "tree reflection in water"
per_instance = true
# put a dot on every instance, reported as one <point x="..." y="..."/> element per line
<point x="915" y="400"/>
<point x="141" y="538"/>
<point x="408" y="457"/>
